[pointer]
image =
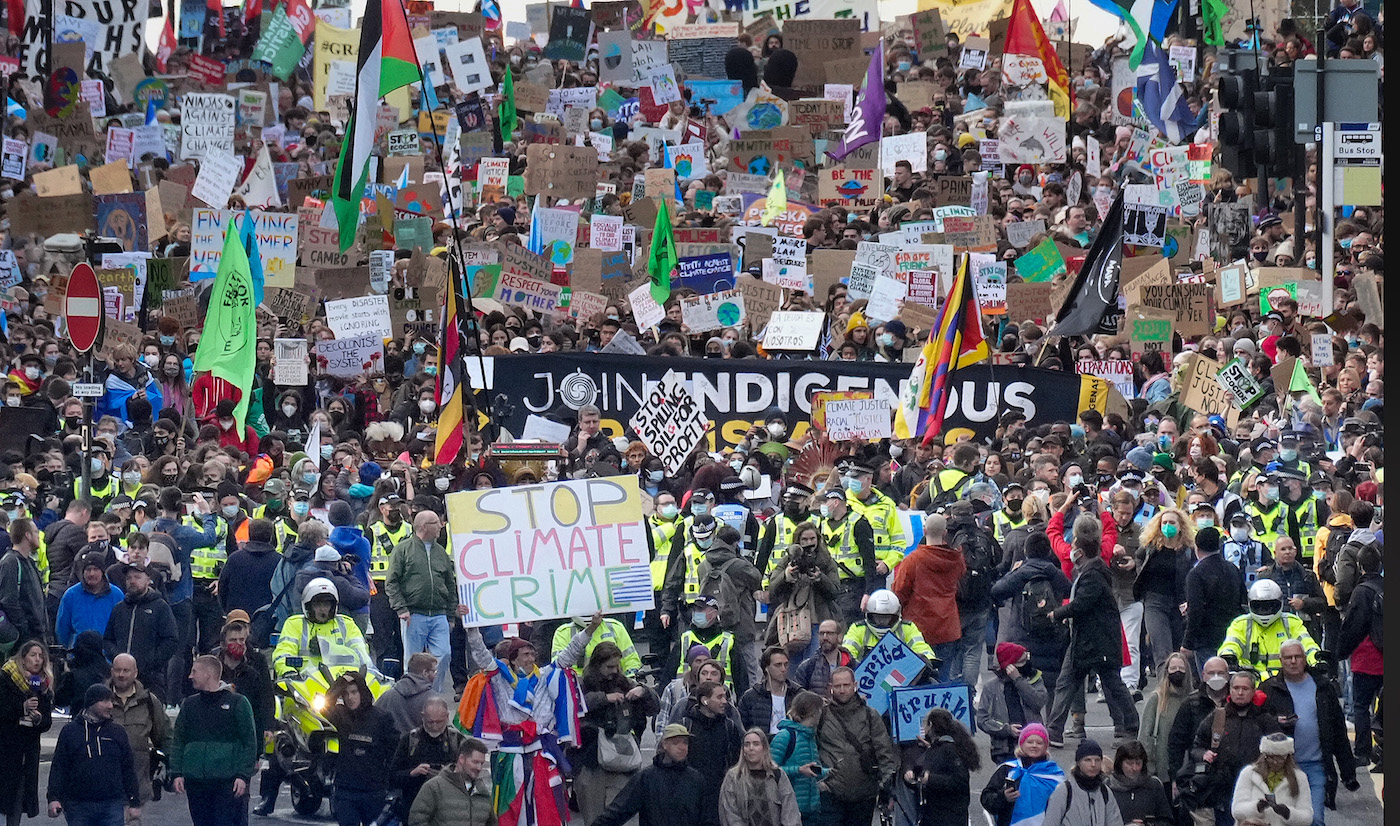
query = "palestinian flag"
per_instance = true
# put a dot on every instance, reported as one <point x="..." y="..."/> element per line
<point x="387" y="61"/>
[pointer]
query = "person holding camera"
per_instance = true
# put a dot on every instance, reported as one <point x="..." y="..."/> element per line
<point x="1272" y="791"/>
<point x="854" y="742"/>
<point x="802" y="591"/>
<point x="423" y="752"/>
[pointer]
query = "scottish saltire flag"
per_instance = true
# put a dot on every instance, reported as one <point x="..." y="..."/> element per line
<point x="1163" y="99"/>
<point x="1148" y="19"/>
<point x="1036" y="782"/>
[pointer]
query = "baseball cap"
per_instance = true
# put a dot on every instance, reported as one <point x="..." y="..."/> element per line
<point x="275" y="487"/>
<point x="674" y="730"/>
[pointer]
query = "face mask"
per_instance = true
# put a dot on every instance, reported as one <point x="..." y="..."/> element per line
<point x="1287" y="454"/>
<point x="896" y="451"/>
<point x="904" y="65"/>
<point x="235" y="650"/>
<point x="1169" y="530"/>
<point x="1310" y="263"/>
<point x="656" y="475"/>
<point x="1271" y="492"/>
<point x="168" y="341"/>
<point x="1089" y="84"/>
<point x="699" y="510"/>
<point x="309" y="478"/>
<point x="96" y="465"/>
<point x="1204" y="522"/>
<point x="669" y="511"/>
<point x="419" y="347"/>
<point x="226" y="424"/>
<point x="1074" y="481"/>
<point x="289" y="410"/>
<point x="595" y="124"/>
<point x="131" y="477"/>
<point x="441" y="482"/>
<point x="12" y="401"/>
<point x="1217" y="682"/>
<point x="1176" y="678"/>
<point x="940" y="154"/>
<point x="886" y="339"/>
<point x="229" y="511"/>
<point x="852" y="484"/>
<point x="301" y="507"/>
<point x="172" y="370"/>
<point x="705" y="544"/>
<point x="1014" y="505"/>
<point x="327" y="451"/>
<point x="427" y="405"/>
<point x="430" y="370"/>
<point x="1260" y="255"/>
<point x="700" y="619"/>
<point x="737" y="465"/>
<point x="1239" y="534"/>
<point x="826" y="512"/>
<point x="776" y="429"/>
<point x="32" y="372"/>
<point x="1194" y="452"/>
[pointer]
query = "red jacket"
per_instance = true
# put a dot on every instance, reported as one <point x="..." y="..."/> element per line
<point x="1056" y="530"/>
<point x="926" y="582"/>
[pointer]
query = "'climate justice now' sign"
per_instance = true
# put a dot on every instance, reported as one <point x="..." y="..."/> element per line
<point x="536" y="552"/>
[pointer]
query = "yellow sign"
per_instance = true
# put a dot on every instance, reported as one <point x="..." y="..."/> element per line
<point x="966" y="16"/>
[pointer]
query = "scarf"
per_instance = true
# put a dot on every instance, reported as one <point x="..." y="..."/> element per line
<point x="22" y="680"/>
<point x="1037" y="781"/>
<point x="1272" y="779"/>
<point x="522" y="686"/>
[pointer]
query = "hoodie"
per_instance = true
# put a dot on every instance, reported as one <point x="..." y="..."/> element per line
<point x="81" y="610"/>
<point x="245" y="582"/>
<point x="87" y="664"/>
<point x="92" y="763"/>
<point x="404" y="702"/>
<point x="349" y="539"/>
<point x="284" y="579"/>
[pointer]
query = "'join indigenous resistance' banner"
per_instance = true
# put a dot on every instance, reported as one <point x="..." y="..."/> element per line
<point x="536" y="552"/>
<point x="734" y="394"/>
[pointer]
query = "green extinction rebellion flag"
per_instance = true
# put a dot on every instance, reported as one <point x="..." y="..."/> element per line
<point x="284" y="39"/>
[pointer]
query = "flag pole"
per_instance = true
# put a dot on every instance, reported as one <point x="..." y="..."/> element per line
<point x="460" y="260"/>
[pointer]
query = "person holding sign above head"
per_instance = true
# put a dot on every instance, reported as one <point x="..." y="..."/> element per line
<point x="530" y="713"/>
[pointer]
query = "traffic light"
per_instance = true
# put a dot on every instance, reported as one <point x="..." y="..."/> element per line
<point x="1274" y="147"/>
<point x="1238" y="96"/>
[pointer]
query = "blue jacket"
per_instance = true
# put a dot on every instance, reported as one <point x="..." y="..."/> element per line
<point x="187" y="539"/>
<point x="80" y="611"/>
<point x="351" y="540"/>
<point x="92" y="762"/>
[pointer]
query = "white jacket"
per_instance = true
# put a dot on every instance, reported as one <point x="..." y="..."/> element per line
<point x="1250" y="789"/>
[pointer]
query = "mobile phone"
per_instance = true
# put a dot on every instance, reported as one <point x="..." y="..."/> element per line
<point x="1012" y="785"/>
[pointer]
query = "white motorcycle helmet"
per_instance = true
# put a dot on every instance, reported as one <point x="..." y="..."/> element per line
<point x="882" y="611"/>
<point x="1265" y="601"/>
<point x="319" y="587"/>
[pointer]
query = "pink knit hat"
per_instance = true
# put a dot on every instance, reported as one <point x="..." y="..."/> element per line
<point x="1033" y="730"/>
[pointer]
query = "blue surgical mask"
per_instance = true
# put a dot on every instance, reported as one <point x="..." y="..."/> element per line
<point x="904" y="65"/>
<point x="826" y="511"/>
<point x="852" y="484"/>
<point x="327" y="451"/>
<point x="1089" y="84"/>
<point x="700" y="619"/>
<point x="595" y="124"/>
<point x="656" y="475"/>
<point x="419" y="347"/>
<point x="698" y="509"/>
<point x="669" y="511"/>
<point x="430" y="370"/>
<point x="309" y="478"/>
<point x="301" y="507"/>
<point x="229" y="511"/>
<point x="887" y="339"/>
<point x="706" y="543"/>
<point x="168" y="341"/>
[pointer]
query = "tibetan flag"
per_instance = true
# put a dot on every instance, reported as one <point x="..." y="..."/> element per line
<point x="955" y="341"/>
<point x="507" y="108"/>
<point x="387" y="62"/>
<point x="663" y="256"/>
<point x="1024" y="36"/>
<point x="869" y="112"/>
<point x="452" y="373"/>
<point x="228" y="349"/>
<point x="776" y="202"/>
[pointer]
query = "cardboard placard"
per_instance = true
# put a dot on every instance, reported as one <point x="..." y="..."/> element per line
<point x="1202" y="393"/>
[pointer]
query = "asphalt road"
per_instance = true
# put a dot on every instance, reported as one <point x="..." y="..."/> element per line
<point x="1360" y="808"/>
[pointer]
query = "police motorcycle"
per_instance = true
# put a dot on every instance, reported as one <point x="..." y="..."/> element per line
<point x="314" y="649"/>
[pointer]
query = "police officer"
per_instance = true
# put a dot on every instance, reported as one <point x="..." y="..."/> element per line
<point x="851" y="542"/>
<point x="880" y="511"/>
<point x="610" y="631"/>
<point x="667" y="533"/>
<point x="1268" y="517"/>
<point x="705" y="630"/>
<point x="1288" y="445"/>
<point x="1255" y="638"/>
<point x="1009" y="517"/>
<point x="1243" y="551"/>
<point x="275" y="508"/>
<point x="778" y="532"/>
<point x="319" y="635"/>
<point x="882" y="616"/>
<point x="1305" y="512"/>
<point x="389" y="530"/>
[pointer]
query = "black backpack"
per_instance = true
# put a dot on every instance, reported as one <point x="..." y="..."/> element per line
<point x="1327" y="567"/>
<point x="720" y="584"/>
<point x="1037" y="600"/>
<point x="938" y="497"/>
<point x="981" y="553"/>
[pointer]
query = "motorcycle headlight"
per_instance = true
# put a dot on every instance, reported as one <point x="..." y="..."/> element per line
<point x="318" y="703"/>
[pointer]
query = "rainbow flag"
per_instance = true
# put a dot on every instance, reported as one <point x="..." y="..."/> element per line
<point x="955" y="341"/>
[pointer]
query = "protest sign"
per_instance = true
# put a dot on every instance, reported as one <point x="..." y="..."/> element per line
<point x="207" y="124"/>
<point x="1149" y="330"/>
<point x="122" y="217"/>
<point x="1236" y="379"/>
<point x="705" y="273"/>
<point x="531" y="293"/>
<point x="348" y="358"/>
<point x="1029" y="301"/>
<point x="290" y="369"/>
<point x="788" y="266"/>
<point x="1020" y="233"/>
<point x="889" y="665"/>
<point x="885" y="297"/>
<point x="218" y="174"/>
<point x="350" y="317"/>
<point x="537" y="552"/>
<point x="1032" y="140"/>
<point x="867" y="419"/>
<point x="275" y="233"/>
<point x="760" y="299"/>
<point x="713" y="311"/>
<point x="670" y="423"/>
<point x="1201" y="392"/>
<point x="912" y="147"/>
<point x="1117" y="372"/>
<point x="1190" y="303"/>
<point x="910" y="706"/>
<point x="793" y="330"/>
<point x="1320" y="354"/>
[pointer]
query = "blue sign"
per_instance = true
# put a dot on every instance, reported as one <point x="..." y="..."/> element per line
<point x="705" y="274"/>
<point x="889" y="665"/>
<point x="911" y="705"/>
<point x="720" y="95"/>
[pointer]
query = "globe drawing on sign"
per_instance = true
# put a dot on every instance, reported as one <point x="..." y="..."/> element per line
<point x="759" y="166"/>
<point x="560" y="252"/>
<point x="1170" y="249"/>
<point x="613" y="57"/>
<point x="684" y="165"/>
<point x="765" y="116"/>
<point x="851" y="189"/>
<point x="728" y="314"/>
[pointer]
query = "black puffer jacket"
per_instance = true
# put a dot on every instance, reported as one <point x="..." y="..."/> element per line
<point x="661" y="794"/>
<point x="1239" y="745"/>
<point x="1095" y="630"/>
<point x="1048" y="651"/>
<point x="143" y="626"/>
<point x="714" y="747"/>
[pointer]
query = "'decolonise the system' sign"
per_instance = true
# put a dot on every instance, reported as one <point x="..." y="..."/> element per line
<point x="538" y="552"/>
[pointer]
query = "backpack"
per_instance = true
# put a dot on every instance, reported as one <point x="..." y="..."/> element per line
<point x="938" y="497"/>
<point x="1069" y="793"/>
<point x="980" y="551"/>
<point x="720" y="584"/>
<point x="1037" y="599"/>
<point x="1377" y="632"/>
<point x="1327" y="566"/>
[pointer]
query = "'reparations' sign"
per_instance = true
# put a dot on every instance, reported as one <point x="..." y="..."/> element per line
<point x="537" y="552"/>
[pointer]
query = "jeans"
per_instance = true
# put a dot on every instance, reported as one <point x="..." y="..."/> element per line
<point x="357" y="807"/>
<point x="1164" y="627"/>
<point x="967" y="663"/>
<point x="1071" y="681"/>
<point x="1317" y="787"/>
<point x="1131" y="617"/>
<point x="95" y="812"/>
<point x="947" y="653"/>
<point x="746" y="655"/>
<point x="1365" y="690"/>
<point x="213" y="803"/>
<point x="432" y="634"/>
<point x="176" y="682"/>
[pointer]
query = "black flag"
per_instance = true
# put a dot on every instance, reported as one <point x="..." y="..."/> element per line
<point x="1092" y="304"/>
